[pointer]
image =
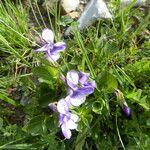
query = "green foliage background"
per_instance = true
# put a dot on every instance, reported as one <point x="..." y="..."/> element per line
<point x="115" y="52"/>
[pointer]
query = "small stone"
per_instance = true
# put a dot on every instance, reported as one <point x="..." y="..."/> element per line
<point x="69" y="5"/>
<point x="74" y="14"/>
<point x="124" y="3"/>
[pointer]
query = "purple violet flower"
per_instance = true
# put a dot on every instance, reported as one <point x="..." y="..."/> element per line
<point x="51" y="49"/>
<point x="79" y="87"/>
<point x="67" y="120"/>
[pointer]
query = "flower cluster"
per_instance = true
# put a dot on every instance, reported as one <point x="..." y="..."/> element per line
<point x="51" y="49"/>
<point x="78" y="83"/>
<point x="79" y="86"/>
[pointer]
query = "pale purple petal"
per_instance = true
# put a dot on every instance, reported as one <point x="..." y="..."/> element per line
<point x="83" y="77"/>
<point x="43" y="49"/>
<point x="61" y="119"/>
<point x="66" y="116"/>
<point x="72" y="79"/>
<point x="84" y="90"/>
<point x="58" y="47"/>
<point x="91" y="83"/>
<point x="74" y="117"/>
<point x="48" y="35"/>
<point x="67" y="99"/>
<point x="77" y="100"/>
<point x="53" y="58"/>
<point x="66" y="131"/>
<point x="71" y="124"/>
<point x="62" y="106"/>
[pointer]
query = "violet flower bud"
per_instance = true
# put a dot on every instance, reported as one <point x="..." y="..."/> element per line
<point x="126" y="109"/>
<point x="53" y="106"/>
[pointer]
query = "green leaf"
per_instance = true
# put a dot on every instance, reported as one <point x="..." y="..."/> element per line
<point x="136" y="96"/>
<point x="66" y="20"/>
<point x="7" y="99"/>
<point x="85" y="121"/>
<point x="148" y="122"/>
<point x="80" y="140"/>
<point x="14" y="51"/>
<point x="1" y="123"/>
<point x="139" y="68"/>
<point x="97" y="107"/>
<point x="27" y="82"/>
<point x="35" y="125"/>
<point x="23" y="146"/>
<point x="18" y="146"/>
<point x="46" y="73"/>
<point x="107" y="82"/>
<point x="46" y="94"/>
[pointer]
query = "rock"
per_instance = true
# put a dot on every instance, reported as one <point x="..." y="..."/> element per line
<point x="69" y="5"/>
<point x="94" y="10"/>
<point x="74" y="14"/>
<point x="82" y="5"/>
